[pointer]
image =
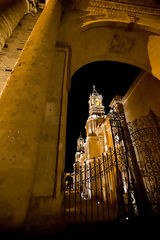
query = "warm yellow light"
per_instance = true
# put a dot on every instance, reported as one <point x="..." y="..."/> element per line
<point x="97" y="101"/>
<point x="92" y="101"/>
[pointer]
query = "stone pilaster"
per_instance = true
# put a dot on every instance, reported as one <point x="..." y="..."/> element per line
<point x="21" y="116"/>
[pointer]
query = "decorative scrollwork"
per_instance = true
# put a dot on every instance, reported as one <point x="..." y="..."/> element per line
<point x="144" y="132"/>
<point x="145" y="137"/>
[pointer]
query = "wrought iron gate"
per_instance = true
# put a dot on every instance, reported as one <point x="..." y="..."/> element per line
<point x="93" y="193"/>
<point x="123" y="183"/>
<point x="102" y="188"/>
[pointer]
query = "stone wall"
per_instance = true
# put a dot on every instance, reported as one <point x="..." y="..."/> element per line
<point x="142" y="97"/>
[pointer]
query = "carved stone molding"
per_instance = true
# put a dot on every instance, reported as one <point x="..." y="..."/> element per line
<point x="62" y="47"/>
<point x="97" y="10"/>
<point x="103" y="6"/>
<point x="145" y="132"/>
<point x="66" y="48"/>
<point x="121" y="44"/>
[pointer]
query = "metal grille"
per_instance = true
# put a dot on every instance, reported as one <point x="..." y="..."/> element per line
<point x="125" y="182"/>
<point x="99" y="190"/>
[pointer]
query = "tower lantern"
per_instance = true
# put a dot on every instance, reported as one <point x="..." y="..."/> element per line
<point x="95" y="104"/>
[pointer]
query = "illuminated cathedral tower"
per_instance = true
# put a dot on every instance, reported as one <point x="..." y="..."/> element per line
<point x="79" y="156"/>
<point x="96" y="117"/>
<point x="96" y="107"/>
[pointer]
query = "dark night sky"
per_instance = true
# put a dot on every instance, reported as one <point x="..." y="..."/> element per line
<point x="110" y="79"/>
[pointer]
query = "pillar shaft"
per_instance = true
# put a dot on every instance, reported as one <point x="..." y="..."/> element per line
<point x="21" y="115"/>
<point x="9" y="18"/>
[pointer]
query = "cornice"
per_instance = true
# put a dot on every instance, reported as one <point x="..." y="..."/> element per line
<point x="101" y="6"/>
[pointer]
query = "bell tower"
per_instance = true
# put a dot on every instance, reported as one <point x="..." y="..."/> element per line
<point x="96" y="112"/>
<point x="95" y="104"/>
<point x="80" y="144"/>
<point x="79" y="156"/>
<point x="96" y="116"/>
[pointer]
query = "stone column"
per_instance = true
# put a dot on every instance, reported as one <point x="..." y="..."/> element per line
<point x="9" y="18"/>
<point x="21" y="116"/>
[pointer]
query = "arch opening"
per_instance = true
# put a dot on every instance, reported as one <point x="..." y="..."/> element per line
<point x="110" y="78"/>
<point x="97" y="137"/>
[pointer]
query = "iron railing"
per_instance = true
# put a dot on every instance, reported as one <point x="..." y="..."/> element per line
<point x="123" y="183"/>
<point x="99" y="189"/>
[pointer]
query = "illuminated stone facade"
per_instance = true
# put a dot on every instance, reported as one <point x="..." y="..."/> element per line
<point x="116" y="156"/>
<point x="90" y="158"/>
<point x="98" y="131"/>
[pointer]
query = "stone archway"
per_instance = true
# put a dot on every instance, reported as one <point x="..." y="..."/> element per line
<point x="112" y="31"/>
<point x="114" y="41"/>
<point x="45" y="100"/>
<point x="88" y="46"/>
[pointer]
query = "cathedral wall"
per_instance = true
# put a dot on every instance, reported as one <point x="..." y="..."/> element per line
<point x="93" y="147"/>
